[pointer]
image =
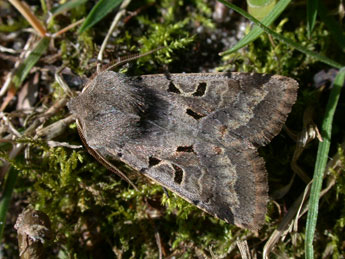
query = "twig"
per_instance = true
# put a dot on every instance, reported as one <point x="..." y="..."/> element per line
<point x="52" y="143"/>
<point x="117" y="18"/>
<point x="24" y="9"/>
<point x="56" y="34"/>
<point x="244" y="249"/>
<point x="55" y="129"/>
<point x="8" y="50"/>
<point x="10" y="125"/>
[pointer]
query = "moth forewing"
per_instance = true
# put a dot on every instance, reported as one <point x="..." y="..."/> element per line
<point x="101" y="159"/>
<point x="196" y="134"/>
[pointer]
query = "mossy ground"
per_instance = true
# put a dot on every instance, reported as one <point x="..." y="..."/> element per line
<point x="93" y="212"/>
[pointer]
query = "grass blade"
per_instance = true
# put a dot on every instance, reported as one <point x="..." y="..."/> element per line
<point x="6" y="197"/>
<point x="67" y="6"/>
<point x="321" y="161"/>
<point x="260" y="8"/>
<point x="312" y="6"/>
<point x="30" y="61"/>
<point x="283" y="39"/>
<point x="101" y="9"/>
<point x="256" y="31"/>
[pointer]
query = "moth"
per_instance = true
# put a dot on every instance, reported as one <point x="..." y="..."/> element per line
<point x="195" y="134"/>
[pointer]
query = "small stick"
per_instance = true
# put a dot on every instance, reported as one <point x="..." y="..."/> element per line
<point x="116" y="20"/>
<point x="24" y="9"/>
<point x="56" y="34"/>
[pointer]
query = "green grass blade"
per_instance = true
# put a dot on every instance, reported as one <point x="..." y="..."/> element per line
<point x="283" y="39"/>
<point x="6" y="198"/>
<point x="321" y="161"/>
<point x="67" y="6"/>
<point x="312" y="7"/>
<point x="260" y="8"/>
<point x="256" y="31"/>
<point x="44" y="6"/>
<point x="333" y="26"/>
<point x="30" y="61"/>
<point x="98" y="12"/>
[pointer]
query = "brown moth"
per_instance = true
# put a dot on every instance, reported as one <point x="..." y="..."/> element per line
<point x="195" y="134"/>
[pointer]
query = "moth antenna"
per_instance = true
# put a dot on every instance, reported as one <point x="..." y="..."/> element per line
<point x="102" y="160"/>
<point x="130" y="58"/>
